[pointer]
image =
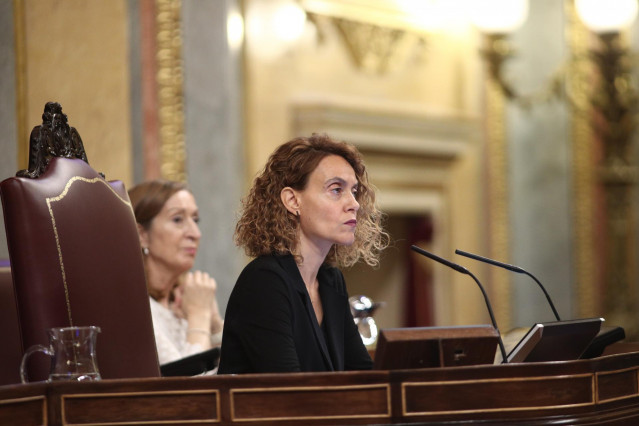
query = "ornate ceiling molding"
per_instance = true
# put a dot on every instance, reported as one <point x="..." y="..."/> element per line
<point x="371" y="47"/>
<point x="376" y="33"/>
<point x="388" y="129"/>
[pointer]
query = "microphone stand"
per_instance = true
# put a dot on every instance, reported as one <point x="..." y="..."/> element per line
<point x="463" y="270"/>
<point x="512" y="268"/>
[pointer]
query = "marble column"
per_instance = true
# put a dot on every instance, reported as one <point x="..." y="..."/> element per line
<point x="213" y="131"/>
<point x="539" y="160"/>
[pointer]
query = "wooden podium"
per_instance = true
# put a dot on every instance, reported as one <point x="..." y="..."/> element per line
<point x="425" y="347"/>
<point x="599" y="391"/>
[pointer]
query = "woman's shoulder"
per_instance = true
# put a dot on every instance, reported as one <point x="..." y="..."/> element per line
<point x="264" y="278"/>
<point x="273" y="262"/>
<point x="332" y="276"/>
<point x="269" y="268"/>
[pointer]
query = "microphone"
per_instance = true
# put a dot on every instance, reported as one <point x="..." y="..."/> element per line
<point x="512" y="268"/>
<point x="463" y="270"/>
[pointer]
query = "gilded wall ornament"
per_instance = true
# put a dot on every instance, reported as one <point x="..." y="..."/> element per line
<point x="170" y="90"/>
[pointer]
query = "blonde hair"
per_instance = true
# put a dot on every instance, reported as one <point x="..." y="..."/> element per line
<point x="267" y="227"/>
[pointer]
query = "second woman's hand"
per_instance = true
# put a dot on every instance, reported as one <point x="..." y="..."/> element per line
<point x="198" y="300"/>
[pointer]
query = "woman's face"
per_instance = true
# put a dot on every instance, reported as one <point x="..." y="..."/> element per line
<point x="174" y="235"/>
<point x="328" y="206"/>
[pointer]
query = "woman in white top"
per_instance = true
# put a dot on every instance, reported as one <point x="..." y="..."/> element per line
<point x="185" y="313"/>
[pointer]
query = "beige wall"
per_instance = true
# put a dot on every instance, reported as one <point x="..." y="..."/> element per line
<point x="76" y="53"/>
<point x="441" y="78"/>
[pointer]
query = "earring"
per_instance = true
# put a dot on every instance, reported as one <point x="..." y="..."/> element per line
<point x="145" y="250"/>
<point x="297" y="213"/>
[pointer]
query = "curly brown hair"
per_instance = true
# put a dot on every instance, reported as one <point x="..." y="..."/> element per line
<point x="267" y="227"/>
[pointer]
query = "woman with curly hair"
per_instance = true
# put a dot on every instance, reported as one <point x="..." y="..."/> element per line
<point x="310" y="210"/>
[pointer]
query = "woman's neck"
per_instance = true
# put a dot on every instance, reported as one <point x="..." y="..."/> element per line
<point x="313" y="258"/>
<point x="309" y="274"/>
<point x="161" y="281"/>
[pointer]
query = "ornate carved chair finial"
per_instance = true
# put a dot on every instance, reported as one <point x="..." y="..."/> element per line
<point x="54" y="138"/>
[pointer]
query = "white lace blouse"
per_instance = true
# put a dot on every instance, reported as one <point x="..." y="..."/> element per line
<point x="170" y="334"/>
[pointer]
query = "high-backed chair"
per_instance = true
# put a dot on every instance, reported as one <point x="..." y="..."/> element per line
<point x="11" y="351"/>
<point x="75" y="254"/>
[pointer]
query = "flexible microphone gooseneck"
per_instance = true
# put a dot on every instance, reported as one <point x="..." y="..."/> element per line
<point x="512" y="268"/>
<point x="463" y="270"/>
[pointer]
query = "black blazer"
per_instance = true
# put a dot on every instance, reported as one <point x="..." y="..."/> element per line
<point x="270" y="324"/>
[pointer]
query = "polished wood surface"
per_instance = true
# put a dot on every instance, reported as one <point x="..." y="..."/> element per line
<point x="599" y="391"/>
<point x="427" y="347"/>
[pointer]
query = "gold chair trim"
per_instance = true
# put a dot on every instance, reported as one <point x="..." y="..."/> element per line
<point x="50" y="201"/>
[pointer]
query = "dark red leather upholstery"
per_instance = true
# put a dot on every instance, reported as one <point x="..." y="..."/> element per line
<point x="11" y="351"/>
<point x="76" y="260"/>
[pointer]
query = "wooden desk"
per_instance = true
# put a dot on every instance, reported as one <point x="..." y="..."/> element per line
<point x="599" y="391"/>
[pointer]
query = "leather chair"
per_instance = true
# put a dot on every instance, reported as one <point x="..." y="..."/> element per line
<point x="11" y="352"/>
<point x="75" y="254"/>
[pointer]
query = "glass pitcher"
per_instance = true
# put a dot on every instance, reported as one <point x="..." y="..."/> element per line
<point x="72" y="352"/>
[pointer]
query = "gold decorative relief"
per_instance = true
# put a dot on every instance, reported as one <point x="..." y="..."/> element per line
<point x="377" y="34"/>
<point x="170" y="89"/>
<point x="585" y="266"/>
<point x="19" y="35"/>
<point x="604" y="176"/>
<point x="371" y="47"/>
<point x="497" y="163"/>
